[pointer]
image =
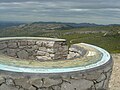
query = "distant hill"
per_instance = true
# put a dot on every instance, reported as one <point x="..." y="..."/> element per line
<point x="5" y="24"/>
<point x="74" y="25"/>
<point x="55" y="25"/>
<point x="54" y="29"/>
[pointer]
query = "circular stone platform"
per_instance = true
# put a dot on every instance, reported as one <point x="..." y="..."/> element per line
<point x="34" y="63"/>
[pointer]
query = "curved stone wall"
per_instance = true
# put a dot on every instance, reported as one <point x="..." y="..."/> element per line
<point x="85" y="67"/>
<point x="36" y="49"/>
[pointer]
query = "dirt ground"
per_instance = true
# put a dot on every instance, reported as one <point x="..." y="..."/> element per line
<point x="115" y="78"/>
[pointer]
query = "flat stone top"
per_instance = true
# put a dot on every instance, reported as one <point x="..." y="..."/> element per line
<point x="31" y="38"/>
<point x="95" y="57"/>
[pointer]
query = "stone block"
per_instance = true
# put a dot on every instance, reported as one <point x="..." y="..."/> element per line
<point x="2" y="80"/>
<point x="52" y="55"/>
<point x="43" y="49"/>
<point x="30" y="51"/>
<point x="75" y="48"/>
<point x="56" y="87"/>
<point x="32" y="88"/>
<point x="3" y="46"/>
<point x="92" y="75"/>
<point x="21" y="89"/>
<point x="22" y="43"/>
<point x="57" y="56"/>
<point x="24" y="82"/>
<point x="50" y="50"/>
<point x="107" y="68"/>
<point x="12" y="45"/>
<point x="23" y="47"/>
<point x="9" y="81"/>
<point x="36" y="82"/>
<point x="77" y="85"/>
<point x="50" y="82"/>
<point x="71" y="55"/>
<point x="3" y="51"/>
<point x="43" y="58"/>
<point x="50" y="44"/>
<point x="31" y="42"/>
<point x="35" y="47"/>
<point x="41" y="43"/>
<point x="22" y="54"/>
<point x="101" y="77"/>
<point x="99" y="85"/>
<point x="41" y="53"/>
<point x="47" y="54"/>
<point x="63" y="48"/>
<point x="6" y="87"/>
<point x="11" y="52"/>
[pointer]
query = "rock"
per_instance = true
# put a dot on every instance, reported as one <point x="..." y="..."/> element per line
<point x="93" y="75"/>
<point x="22" y="47"/>
<point x="101" y="77"/>
<point x="43" y="58"/>
<point x="77" y="85"/>
<point x="108" y="68"/>
<point x="76" y="76"/>
<point x="3" y="51"/>
<point x="99" y="85"/>
<point x="52" y="55"/>
<point x="50" y="44"/>
<point x="50" y="50"/>
<point x="6" y="87"/>
<point x="43" y="49"/>
<point x="49" y="82"/>
<point x="3" y="45"/>
<point x="12" y="45"/>
<point x="41" y="43"/>
<point x="35" y="47"/>
<point x="30" y="51"/>
<point x="41" y="53"/>
<point x="9" y="81"/>
<point x="32" y="88"/>
<point x="63" y="48"/>
<point x="22" y="43"/>
<point x="36" y="82"/>
<point x="2" y="80"/>
<point x="44" y="89"/>
<point x="75" y="48"/>
<point x="11" y="52"/>
<point x="57" y="56"/>
<point x="22" y="54"/>
<point x="71" y="55"/>
<point x="21" y="89"/>
<point x="56" y="87"/>
<point x="31" y="42"/>
<point x="47" y="54"/>
<point x="24" y="82"/>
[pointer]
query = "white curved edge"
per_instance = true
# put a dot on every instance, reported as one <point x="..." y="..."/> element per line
<point x="105" y="58"/>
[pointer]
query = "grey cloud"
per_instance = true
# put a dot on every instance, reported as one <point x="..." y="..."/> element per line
<point x="62" y="10"/>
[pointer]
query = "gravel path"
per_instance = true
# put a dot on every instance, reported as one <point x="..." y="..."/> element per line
<point x="115" y="78"/>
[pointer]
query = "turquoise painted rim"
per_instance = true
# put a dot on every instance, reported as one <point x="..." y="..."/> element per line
<point x="105" y="58"/>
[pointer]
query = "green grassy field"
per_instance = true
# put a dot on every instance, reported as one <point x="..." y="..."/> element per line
<point x="110" y="42"/>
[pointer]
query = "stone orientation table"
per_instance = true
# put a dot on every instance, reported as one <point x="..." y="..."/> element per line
<point x="36" y="63"/>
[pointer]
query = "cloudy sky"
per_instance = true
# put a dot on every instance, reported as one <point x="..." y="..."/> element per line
<point x="91" y="11"/>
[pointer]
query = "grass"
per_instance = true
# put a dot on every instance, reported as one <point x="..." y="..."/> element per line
<point x="110" y="43"/>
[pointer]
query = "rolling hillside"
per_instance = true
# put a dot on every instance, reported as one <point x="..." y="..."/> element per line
<point x="107" y="37"/>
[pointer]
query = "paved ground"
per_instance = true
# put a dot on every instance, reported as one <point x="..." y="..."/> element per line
<point x="115" y="78"/>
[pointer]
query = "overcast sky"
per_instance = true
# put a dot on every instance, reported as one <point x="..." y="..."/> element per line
<point x="90" y="11"/>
